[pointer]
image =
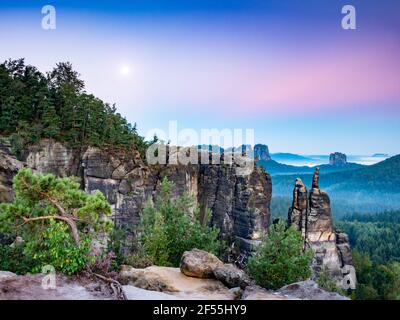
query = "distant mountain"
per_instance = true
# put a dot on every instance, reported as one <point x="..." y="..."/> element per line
<point x="368" y="188"/>
<point x="276" y="168"/>
<point x="281" y="157"/>
<point x="381" y="177"/>
<point x="380" y="155"/>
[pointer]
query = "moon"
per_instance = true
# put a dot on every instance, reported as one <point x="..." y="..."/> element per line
<point x="125" y="70"/>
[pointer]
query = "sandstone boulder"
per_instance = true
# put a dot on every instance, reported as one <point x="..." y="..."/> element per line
<point x="258" y="293"/>
<point x="199" y="264"/>
<point x="231" y="276"/>
<point x="135" y="293"/>
<point x="172" y="281"/>
<point x="309" y="290"/>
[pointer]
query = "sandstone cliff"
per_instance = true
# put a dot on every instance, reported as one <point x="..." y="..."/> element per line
<point x="239" y="204"/>
<point x="311" y="214"/>
<point x="9" y="166"/>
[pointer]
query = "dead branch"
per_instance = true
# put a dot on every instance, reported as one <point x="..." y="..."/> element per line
<point x="114" y="284"/>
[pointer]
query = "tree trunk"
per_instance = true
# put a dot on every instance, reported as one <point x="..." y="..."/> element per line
<point x="71" y="223"/>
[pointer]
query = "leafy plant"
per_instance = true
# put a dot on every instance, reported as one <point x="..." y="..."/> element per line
<point x="58" y="249"/>
<point x="12" y="258"/>
<point x="169" y="227"/>
<point x="326" y="281"/>
<point x="280" y="260"/>
<point x="56" y="220"/>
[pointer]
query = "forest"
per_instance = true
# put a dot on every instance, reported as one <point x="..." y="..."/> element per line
<point x="55" y="105"/>
<point x="375" y="241"/>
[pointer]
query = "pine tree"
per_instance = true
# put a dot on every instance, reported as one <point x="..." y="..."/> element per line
<point x="51" y="121"/>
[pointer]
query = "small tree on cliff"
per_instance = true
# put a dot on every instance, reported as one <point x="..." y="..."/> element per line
<point x="169" y="227"/>
<point x="280" y="259"/>
<point x="56" y="220"/>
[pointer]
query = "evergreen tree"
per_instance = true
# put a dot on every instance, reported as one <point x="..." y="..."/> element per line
<point x="51" y="121"/>
<point x="56" y="219"/>
<point x="35" y="106"/>
<point x="280" y="259"/>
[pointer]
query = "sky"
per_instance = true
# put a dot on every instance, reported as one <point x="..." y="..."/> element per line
<point x="286" y="69"/>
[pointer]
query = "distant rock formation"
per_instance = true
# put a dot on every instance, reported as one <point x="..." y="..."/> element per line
<point x="312" y="215"/>
<point x="337" y="159"/>
<point x="261" y="152"/>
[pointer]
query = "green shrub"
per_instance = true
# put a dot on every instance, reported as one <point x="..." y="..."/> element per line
<point x="13" y="259"/>
<point x="279" y="260"/>
<point x="326" y="281"/>
<point x="57" y="248"/>
<point x="170" y="227"/>
<point x="56" y="220"/>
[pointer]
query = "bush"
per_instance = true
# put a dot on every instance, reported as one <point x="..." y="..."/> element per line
<point x="326" y="281"/>
<point x="58" y="249"/>
<point x="170" y="227"/>
<point x="280" y="259"/>
<point x="13" y="259"/>
<point x="56" y="220"/>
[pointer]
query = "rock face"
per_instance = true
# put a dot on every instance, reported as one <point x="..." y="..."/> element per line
<point x="239" y="204"/>
<point x="9" y="166"/>
<point x="261" y="152"/>
<point x="53" y="157"/>
<point x="312" y="215"/>
<point x="337" y="159"/>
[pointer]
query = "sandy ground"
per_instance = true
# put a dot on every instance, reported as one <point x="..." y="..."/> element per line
<point x="67" y="288"/>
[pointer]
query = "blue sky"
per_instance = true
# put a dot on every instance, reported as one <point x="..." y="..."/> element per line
<point x="283" y="68"/>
